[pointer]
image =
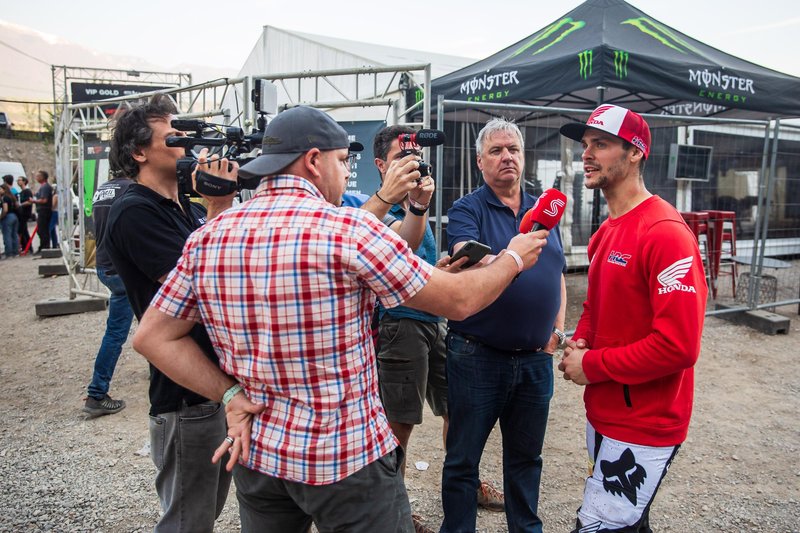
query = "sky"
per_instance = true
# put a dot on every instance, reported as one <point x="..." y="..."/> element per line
<point x="222" y="34"/>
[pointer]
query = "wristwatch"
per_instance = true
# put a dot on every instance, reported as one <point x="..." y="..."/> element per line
<point x="562" y="338"/>
<point x="416" y="208"/>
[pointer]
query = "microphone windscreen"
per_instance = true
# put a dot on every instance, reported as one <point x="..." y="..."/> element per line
<point x="429" y="137"/>
<point x="545" y="213"/>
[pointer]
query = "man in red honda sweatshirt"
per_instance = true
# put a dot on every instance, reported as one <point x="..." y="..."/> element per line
<point x="638" y="338"/>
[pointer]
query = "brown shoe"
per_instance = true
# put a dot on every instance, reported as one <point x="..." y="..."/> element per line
<point x="419" y="527"/>
<point x="490" y="498"/>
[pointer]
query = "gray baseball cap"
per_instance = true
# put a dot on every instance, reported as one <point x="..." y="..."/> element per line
<point x="291" y="134"/>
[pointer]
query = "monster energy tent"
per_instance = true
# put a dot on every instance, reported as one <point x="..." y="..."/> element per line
<point x="607" y="50"/>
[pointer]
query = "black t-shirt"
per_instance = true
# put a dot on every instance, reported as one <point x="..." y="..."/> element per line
<point x="24" y="196"/>
<point x="144" y="237"/>
<point x="46" y="192"/>
<point x="106" y="194"/>
<point x="10" y="204"/>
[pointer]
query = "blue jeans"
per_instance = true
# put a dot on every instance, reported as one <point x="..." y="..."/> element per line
<point x="10" y="225"/>
<point x="485" y="385"/>
<point x="53" y="228"/>
<point x="118" y="324"/>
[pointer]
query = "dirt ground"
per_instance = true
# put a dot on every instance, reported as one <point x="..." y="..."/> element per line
<point x="738" y="470"/>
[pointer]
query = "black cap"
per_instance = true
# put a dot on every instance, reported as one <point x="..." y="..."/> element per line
<point x="293" y="133"/>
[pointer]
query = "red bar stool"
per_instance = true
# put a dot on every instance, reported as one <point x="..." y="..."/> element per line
<point x="722" y="230"/>
<point x="698" y="223"/>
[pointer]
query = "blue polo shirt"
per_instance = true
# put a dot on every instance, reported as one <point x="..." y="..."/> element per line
<point x="522" y="317"/>
<point x="426" y="251"/>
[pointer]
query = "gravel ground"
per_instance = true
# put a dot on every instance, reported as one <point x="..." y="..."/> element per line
<point x="738" y="471"/>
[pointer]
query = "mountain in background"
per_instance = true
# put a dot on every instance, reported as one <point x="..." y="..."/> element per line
<point x="26" y="74"/>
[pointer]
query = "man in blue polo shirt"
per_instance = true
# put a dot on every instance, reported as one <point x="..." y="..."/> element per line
<point x="499" y="363"/>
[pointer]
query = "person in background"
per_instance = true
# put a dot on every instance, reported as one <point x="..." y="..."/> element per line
<point x="53" y="226"/>
<point x="8" y="219"/>
<point x="44" y="209"/>
<point x="638" y="371"/>
<point x="120" y="314"/>
<point x="25" y="211"/>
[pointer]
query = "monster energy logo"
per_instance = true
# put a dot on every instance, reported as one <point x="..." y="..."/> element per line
<point x="620" y="64"/>
<point x="585" y="58"/>
<point x="556" y="31"/>
<point x="662" y="34"/>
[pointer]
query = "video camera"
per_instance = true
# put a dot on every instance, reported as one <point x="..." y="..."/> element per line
<point x="226" y="142"/>
<point x="420" y="138"/>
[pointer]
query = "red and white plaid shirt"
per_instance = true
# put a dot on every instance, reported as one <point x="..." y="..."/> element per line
<point x="285" y="285"/>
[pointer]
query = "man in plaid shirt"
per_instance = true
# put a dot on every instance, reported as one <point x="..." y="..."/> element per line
<point x="285" y="285"/>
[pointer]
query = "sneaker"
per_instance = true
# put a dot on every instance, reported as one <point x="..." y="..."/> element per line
<point x="106" y="406"/>
<point x="419" y="526"/>
<point x="490" y="498"/>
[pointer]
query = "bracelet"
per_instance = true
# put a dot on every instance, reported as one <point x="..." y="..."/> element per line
<point x="230" y="393"/>
<point x="414" y="210"/>
<point x="517" y="258"/>
<point x="378" y="196"/>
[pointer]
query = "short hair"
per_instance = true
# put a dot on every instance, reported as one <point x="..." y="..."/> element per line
<point x="628" y="146"/>
<point x="131" y="132"/>
<point x="44" y="173"/>
<point x="9" y="179"/>
<point x="496" y="125"/>
<point x="383" y="140"/>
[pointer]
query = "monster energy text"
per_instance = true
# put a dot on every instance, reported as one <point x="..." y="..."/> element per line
<point x="712" y="81"/>
<point x="585" y="58"/>
<point x="620" y="64"/>
<point x="493" y="86"/>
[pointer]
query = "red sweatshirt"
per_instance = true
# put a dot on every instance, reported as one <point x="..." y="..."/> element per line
<point x="642" y="320"/>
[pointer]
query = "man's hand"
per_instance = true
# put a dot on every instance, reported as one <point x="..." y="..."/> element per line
<point x="400" y="179"/>
<point x="221" y="168"/>
<point x="239" y="414"/>
<point x="529" y="246"/>
<point x="423" y="192"/>
<point x="572" y="361"/>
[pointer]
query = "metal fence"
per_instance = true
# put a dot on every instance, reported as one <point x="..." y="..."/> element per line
<point x="752" y="176"/>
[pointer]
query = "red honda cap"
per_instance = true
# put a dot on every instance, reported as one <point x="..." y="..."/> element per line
<point x="617" y="121"/>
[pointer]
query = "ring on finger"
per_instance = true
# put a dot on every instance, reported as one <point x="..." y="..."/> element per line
<point x="229" y="440"/>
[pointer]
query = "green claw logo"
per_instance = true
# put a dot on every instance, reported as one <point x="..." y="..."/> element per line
<point x="586" y="58"/>
<point x="662" y="34"/>
<point x="565" y="26"/>
<point x="620" y="64"/>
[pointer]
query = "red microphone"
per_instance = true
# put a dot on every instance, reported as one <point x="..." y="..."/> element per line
<point x="545" y="213"/>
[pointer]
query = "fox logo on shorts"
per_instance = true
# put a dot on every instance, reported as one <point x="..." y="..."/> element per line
<point x="623" y="476"/>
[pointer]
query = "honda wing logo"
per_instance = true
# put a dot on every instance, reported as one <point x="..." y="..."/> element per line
<point x="670" y="278"/>
<point x="595" y="118"/>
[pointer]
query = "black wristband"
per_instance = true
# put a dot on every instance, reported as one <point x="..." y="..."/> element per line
<point x="419" y="212"/>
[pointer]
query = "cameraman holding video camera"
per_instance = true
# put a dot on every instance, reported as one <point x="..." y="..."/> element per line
<point x="145" y="233"/>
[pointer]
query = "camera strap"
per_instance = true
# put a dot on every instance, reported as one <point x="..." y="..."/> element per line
<point x="210" y="185"/>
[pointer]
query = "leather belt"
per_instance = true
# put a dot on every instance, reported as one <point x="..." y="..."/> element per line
<point x="513" y="351"/>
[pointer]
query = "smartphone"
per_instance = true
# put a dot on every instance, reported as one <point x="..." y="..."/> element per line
<point x="472" y="249"/>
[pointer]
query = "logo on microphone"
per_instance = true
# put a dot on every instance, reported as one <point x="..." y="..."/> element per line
<point x="556" y="206"/>
<point x="670" y="278"/>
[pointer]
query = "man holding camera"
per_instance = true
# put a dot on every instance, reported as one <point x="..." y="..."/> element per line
<point x="145" y="233"/>
<point x="286" y="284"/>
<point x="499" y="361"/>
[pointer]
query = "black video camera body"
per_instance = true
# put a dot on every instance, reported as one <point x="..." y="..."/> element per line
<point x="225" y="141"/>
<point x="420" y="138"/>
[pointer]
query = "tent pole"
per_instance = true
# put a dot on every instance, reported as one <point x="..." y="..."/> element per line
<point x="439" y="171"/>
